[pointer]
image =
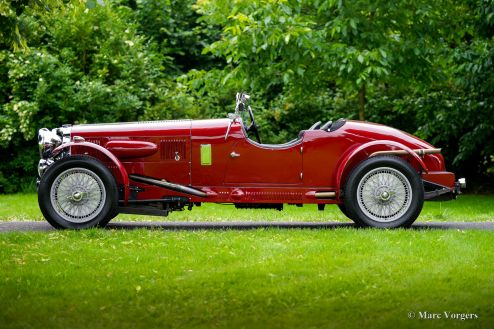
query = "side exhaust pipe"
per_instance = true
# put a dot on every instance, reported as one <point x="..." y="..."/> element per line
<point x="325" y="195"/>
<point x="168" y="185"/>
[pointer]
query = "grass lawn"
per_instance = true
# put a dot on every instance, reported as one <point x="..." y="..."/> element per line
<point x="264" y="278"/>
<point x="267" y="278"/>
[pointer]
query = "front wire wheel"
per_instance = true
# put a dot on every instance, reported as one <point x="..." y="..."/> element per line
<point x="78" y="192"/>
<point x="384" y="192"/>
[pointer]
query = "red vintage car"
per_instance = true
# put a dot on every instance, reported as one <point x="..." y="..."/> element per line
<point x="378" y="176"/>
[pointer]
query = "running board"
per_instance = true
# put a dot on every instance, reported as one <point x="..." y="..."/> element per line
<point x="168" y="185"/>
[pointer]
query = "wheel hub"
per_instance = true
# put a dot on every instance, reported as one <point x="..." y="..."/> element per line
<point x="77" y="196"/>
<point x="383" y="194"/>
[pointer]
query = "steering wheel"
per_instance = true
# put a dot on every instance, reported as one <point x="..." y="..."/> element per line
<point x="253" y="126"/>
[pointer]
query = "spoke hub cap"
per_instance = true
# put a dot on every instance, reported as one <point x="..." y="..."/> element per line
<point x="77" y="196"/>
<point x="384" y="196"/>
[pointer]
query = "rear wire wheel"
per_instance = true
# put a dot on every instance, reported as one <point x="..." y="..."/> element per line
<point x="384" y="192"/>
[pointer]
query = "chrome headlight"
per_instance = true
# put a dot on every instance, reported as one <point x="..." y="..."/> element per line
<point x="47" y="141"/>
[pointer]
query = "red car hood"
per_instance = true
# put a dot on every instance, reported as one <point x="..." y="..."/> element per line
<point x="147" y="128"/>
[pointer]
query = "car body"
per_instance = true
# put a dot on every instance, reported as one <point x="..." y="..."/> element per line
<point x="379" y="176"/>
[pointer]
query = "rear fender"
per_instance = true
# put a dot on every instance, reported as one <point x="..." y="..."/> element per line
<point x="362" y="152"/>
<point x="120" y="167"/>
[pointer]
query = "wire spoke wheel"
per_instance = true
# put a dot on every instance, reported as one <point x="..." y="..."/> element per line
<point x="78" y="195"/>
<point x="384" y="194"/>
<point x="78" y="192"/>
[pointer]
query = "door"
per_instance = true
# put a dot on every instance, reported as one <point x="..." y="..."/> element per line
<point x="253" y="164"/>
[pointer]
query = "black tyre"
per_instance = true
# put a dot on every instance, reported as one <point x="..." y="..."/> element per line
<point x="343" y="209"/>
<point x="384" y="192"/>
<point x="78" y="192"/>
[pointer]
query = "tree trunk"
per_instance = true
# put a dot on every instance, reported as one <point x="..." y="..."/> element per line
<point x="361" y="103"/>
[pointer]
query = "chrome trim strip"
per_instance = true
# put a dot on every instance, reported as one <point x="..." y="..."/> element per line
<point x="420" y="152"/>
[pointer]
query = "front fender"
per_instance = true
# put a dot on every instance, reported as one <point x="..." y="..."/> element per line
<point x="347" y="159"/>
<point x="120" y="167"/>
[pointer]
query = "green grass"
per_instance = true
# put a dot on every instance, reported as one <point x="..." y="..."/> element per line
<point x="267" y="278"/>
<point x="22" y="207"/>
<point x="264" y="278"/>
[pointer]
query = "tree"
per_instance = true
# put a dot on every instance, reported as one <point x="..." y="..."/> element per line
<point x="174" y="26"/>
<point x="459" y="113"/>
<point x="312" y="45"/>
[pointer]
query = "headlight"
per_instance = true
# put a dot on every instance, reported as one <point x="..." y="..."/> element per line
<point x="47" y="141"/>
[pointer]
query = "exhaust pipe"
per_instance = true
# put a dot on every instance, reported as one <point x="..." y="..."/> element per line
<point x="325" y="195"/>
<point x="168" y="185"/>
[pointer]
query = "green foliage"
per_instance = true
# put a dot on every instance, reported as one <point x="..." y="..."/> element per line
<point x="174" y="26"/>
<point x="460" y="114"/>
<point x="316" y="45"/>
